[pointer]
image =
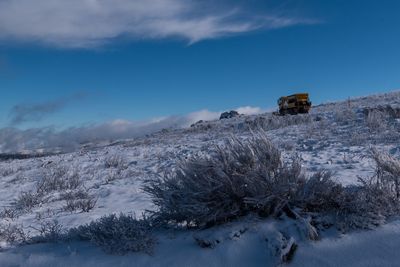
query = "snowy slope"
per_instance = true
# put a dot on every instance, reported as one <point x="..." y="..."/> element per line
<point x="335" y="136"/>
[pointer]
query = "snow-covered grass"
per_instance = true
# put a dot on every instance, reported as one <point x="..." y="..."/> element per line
<point x="78" y="188"/>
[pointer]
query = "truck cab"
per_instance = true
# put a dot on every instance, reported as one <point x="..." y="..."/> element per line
<point x="294" y="104"/>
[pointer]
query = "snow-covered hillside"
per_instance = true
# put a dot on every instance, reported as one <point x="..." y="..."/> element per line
<point x="79" y="187"/>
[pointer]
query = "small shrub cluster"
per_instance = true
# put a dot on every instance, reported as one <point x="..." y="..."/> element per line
<point x="235" y="180"/>
<point x="272" y="122"/>
<point x="49" y="231"/>
<point x="115" y="161"/>
<point x="376" y="120"/>
<point x="58" y="179"/>
<point x="9" y="213"/>
<point x="353" y="207"/>
<point x="249" y="176"/>
<point x="387" y="111"/>
<point x="27" y="201"/>
<point x="12" y="234"/>
<point x="387" y="175"/>
<point x="114" y="175"/>
<point x="45" y="214"/>
<point x="345" y="116"/>
<point x="118" y="234"/>
<point x="79" y="200"/>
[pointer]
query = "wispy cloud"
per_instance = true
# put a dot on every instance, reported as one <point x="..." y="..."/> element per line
<point x="92" y="23"/>
<point x="48" y="138"/>
<point x="27" y="112"/>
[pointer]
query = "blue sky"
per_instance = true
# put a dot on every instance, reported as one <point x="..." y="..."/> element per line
<point x="219" y="57"/>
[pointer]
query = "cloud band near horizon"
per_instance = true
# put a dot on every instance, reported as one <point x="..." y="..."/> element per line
<point x="13" y="140"/>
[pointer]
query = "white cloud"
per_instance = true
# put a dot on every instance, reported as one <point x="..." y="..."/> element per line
<point x="47" y="138"/>
<point x="250" y="110"/>
<point x="204" y="115"/>
<point x="90" y="23"/>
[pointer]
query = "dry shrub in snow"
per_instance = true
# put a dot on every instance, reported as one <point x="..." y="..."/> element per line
<point x="275" y="122"/>
<point x="361" y="207"/>
<point x="27" y="201"/>
<point x="55" y="179"/>
<point x="345" y="116"/>
<point x="247" y="176"/>
<point x="80" y="200"/>
<point x="9" y="213"/>
<point x="58" y="179"/>
<point x="387" y="175"/>
<point x="49" y="231"/>
<point x="358" y="207"/>
<point x="12" y="234"/>
<point x="118" y="234"/>
<point x="239" y="177"/>
<point x="376" y="120"/>
<point x="114" y="175"/>
<point x="115" y="161"/>
<point x="320" y="193"/>
<point x="84" y="205"/>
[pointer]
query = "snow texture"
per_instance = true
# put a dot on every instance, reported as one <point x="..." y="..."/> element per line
<point x="107" y="178"/>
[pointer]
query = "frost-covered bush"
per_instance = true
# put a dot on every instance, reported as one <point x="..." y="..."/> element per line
<point x="320" y="193"/>
<point x="376" y="120"/>
<point x="361" y="207"/>
<point x="55" y="179"/>
<point x="12" y="234"/>
<point x="58" y="179"/>
<point x="345" y="116"/>
<point x="26" y="201"/>
<point x="275" y="122"/>
<point x="9" y="213"/>
<point x="115" y="161"/>
<point x="49" y="231"/>
<point x="80" y="200"/>
<point x="364" y="206"/>
<point x="114" y="175"/>
<point x="118" y="234"/>
<point x="387" y="111"/>
<point x="248" y="176"/>
<point x="387" y="175"/>
<point x="239" y="177"/>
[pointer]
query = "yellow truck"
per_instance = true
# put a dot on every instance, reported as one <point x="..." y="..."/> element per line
<point x="294" y="104"/>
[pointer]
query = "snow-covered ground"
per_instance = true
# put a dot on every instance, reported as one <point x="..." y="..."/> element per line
<point x="362" y="249"/>
<point x="335" y="136"/>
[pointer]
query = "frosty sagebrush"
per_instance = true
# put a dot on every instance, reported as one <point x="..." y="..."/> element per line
<point x="212" y="189"/>
<point x="245" y="176"/>
<point x="117" y="234"/>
